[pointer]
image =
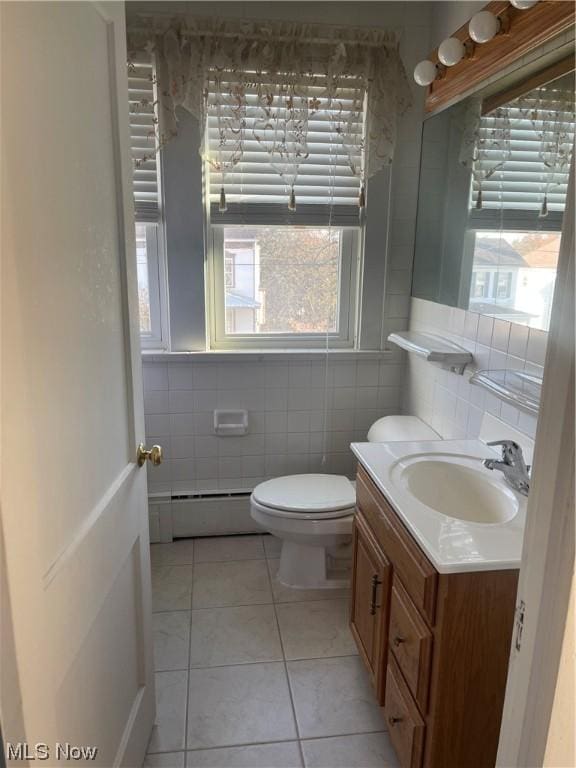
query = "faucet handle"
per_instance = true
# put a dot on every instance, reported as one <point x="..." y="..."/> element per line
<point x="504" y="443"/>
<point x="511" y="451"/>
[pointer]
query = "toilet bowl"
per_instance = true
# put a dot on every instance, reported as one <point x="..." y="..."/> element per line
<point x="312" y="514"/>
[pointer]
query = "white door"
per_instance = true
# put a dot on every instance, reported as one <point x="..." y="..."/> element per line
<point x="75" y="575"/>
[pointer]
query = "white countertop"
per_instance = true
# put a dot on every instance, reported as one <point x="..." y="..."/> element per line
<point x="452" y="545"/>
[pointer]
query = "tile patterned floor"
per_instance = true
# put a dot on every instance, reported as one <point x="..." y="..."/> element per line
<point x="252" y="674"/>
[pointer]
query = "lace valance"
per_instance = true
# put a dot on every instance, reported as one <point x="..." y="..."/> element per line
<point x="266" y="81"/>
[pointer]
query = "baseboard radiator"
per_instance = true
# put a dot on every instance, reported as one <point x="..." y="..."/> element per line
<point x="200" y="514"/>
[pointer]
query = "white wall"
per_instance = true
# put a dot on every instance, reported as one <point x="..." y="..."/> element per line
<point x="285" y="395"/>
<point x="447" y="401"/>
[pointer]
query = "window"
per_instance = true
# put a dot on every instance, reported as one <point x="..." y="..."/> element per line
<point x="149" y="232"/>
<point x="503" y="285"/>
<point x="277" y="277"/>
<point x="480" y="285"/>
<point x="515" y="233"/>
<point x="283" y="285"/>
<point x="518" y="275"/>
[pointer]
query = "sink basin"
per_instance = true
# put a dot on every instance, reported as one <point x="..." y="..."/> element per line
<point x="459" y="489"/>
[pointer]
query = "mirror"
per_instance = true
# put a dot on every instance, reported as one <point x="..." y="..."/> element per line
<point x="493" y="181"/>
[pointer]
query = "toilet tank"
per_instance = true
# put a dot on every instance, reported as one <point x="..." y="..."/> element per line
<point x="396" y="428"/>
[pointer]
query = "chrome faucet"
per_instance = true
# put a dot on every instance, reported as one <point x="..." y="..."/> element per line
<point x="512" y="465"/>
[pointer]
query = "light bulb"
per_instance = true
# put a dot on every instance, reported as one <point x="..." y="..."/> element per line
<point x="425" y="72"/>
<point x="451" y="51"/>
<point x="483" y="27"/>
<point x="523" y="5"/>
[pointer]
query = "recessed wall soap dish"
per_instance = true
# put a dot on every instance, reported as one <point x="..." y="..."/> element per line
<point x="518" y="388"/>
<point x="433" y="348"/>
<point x="228" y="423"/>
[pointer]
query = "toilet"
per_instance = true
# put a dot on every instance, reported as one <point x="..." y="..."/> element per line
<point x="312" y="514"/>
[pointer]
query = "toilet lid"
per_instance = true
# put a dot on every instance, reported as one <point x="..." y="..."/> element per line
<point x="307" y="493"/>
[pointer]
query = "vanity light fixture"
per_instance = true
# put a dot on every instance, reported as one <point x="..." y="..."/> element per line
<point x="523" y="5"/>
<point x="451" y="51"/>
<point x="484" y="26"/>
<point x="425" y="72"/>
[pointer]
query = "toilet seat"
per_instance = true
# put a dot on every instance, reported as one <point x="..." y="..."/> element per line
<point x="306" y="493"/>
<point x="313" y="496"/>
<point x="334" y="514"/>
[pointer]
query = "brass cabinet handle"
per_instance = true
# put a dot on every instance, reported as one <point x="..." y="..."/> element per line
<point x="398" y="641"/>
<point x="375" y="582"/>
<point x="394" y="720"/>
<point x="154" y="455"/>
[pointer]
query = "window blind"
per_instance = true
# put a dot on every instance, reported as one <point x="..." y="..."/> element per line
<point x="326" y="188"/>
<point x="514" y="192"/>
<point x="143" y="140"/>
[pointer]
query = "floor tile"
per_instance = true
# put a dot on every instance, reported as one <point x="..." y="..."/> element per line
<point x="272" y="546"/>
<point x="283" y="755"/>
<point x="332" y="697"/>
<point x="245" y="704"/>
<point x="169" y="728"/>
<point x="171" y="587"/>
<point x="234" y="636"/>
<point x="164" y="760"/>
<point x="284" y="594"/>
<point x="318" y="629"/>
<point x="179" y="552"/>
<point x="367" y="750"/>
<point x="234" y="583"/>
<point x="220" y="548"/>
<point x="171" y="635"/>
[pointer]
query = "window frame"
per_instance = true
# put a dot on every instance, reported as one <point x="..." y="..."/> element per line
<point x="158" y="338"/>
<point x="347" y="300"/>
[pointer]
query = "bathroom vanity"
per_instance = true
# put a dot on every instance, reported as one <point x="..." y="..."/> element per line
<point x="433" y="601"/>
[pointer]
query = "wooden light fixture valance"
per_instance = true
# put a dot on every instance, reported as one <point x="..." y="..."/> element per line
<point x="522" y="31"/>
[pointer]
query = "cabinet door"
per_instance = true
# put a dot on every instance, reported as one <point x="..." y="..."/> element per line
<point x="371" y="582"/>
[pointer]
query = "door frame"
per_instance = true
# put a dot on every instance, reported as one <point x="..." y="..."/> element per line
<point x="547" y="567"/>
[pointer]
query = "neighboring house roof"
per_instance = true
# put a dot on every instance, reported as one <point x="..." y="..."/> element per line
<point x="545" y="256"/>
<point x="492" y="252"/>
<point x="237" y="301"/>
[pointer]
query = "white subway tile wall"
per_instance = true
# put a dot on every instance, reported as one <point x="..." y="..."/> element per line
<point x="447" y="401"/>
<point x="287" y="402"/>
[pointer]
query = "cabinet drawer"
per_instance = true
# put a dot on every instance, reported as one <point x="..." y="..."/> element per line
<point x="415" y="570"/>
<point x="405" y="724"/>
<point x="411" y="643"/>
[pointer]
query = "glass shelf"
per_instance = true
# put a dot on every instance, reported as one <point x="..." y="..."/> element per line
<point x="518" y="388"/>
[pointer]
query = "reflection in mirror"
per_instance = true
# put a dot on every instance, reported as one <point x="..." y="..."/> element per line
<point x="493" y="184"/>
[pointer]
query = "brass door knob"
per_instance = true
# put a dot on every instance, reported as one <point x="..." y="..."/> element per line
<point x="154" y="455"/>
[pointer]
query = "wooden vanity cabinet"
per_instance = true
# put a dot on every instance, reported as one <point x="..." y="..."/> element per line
<point x="436" y="645"/>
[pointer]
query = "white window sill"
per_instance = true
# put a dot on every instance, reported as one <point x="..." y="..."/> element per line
<point x="157" y="356"/>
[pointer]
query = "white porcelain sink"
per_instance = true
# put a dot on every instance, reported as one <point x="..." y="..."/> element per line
<point x="463" y="516"/>
<point x="459" y="487"/>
